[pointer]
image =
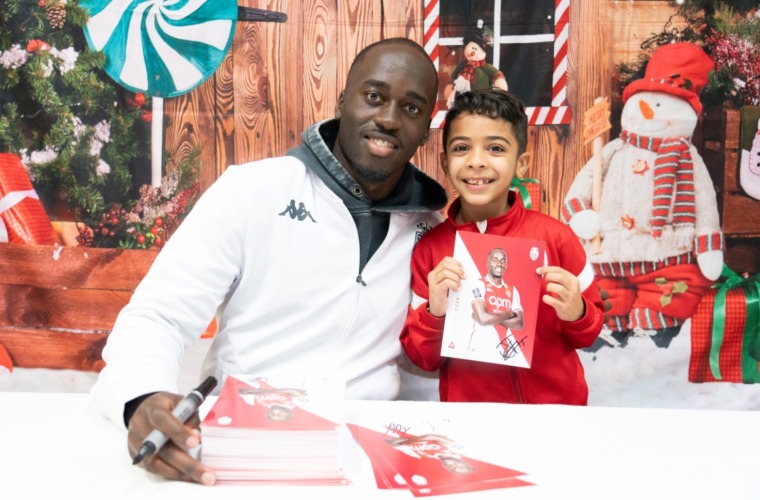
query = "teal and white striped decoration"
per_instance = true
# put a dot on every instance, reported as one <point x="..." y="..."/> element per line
<point x="163" y="48"/>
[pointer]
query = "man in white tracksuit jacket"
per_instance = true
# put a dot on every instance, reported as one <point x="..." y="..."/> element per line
<point x="304" y="259"/>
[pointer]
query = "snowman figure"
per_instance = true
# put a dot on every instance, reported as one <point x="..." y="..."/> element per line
<point x="749" y="167"/>
<point x="661" y="242"/>
<point x="474" y="72"/>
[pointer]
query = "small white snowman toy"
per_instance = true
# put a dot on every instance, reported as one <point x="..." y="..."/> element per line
<point x="749" y="167"/>
<point x="661" y="242"/>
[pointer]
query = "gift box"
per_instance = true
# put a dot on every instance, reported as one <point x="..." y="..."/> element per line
<point x="22" y="217"/>
<point x="725" y="334"/>
<point x="531" y="192"/>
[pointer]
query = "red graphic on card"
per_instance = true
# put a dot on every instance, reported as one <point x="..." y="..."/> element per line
<point x="429" y="464"/>
<point x="257" y="404"/>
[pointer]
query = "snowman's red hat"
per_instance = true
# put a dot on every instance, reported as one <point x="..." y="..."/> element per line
<point x="680" y="69"/>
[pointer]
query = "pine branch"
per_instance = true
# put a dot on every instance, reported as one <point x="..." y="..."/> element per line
<point x="702" y="18"/>
<point x="55" y="98"/>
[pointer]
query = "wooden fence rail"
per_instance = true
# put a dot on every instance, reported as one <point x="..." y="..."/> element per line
<point x="58" y="304"/>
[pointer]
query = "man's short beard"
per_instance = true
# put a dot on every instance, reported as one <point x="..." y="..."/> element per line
<point x="369" y="175"/>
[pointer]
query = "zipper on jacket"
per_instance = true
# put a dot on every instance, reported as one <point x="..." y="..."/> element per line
<point x="516" y="383"/>
<point x="332" y="362"/>
<point x="359" y="279"/>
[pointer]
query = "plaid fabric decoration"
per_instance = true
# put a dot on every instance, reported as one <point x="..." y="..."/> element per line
<point x="737" y="357"/>
<point x="532" y="188"/>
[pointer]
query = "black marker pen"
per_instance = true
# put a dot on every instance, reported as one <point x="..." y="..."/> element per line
<point x="183" y="411"/>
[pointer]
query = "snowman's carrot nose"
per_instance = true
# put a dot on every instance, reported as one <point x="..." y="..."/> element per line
<point x="646" y="110"/>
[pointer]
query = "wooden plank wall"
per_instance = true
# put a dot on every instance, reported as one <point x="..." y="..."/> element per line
<point x="280" y="77"/>
<point x="58" y="304"/>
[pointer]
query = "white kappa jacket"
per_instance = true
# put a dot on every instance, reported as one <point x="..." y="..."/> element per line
<point x="273" y="252"/>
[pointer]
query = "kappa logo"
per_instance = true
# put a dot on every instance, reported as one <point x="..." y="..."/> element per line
<point x="299" y="213"/>
<point x="422" y="228"/>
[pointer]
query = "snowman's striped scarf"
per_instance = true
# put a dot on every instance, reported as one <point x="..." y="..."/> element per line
<point x="673" y="176"/>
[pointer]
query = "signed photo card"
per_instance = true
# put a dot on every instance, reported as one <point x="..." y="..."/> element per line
<point x="429" y="457"/>
<point x="492" y="317"/>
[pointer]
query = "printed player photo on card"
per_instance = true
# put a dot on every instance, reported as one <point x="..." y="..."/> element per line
<point x="492" y="317"/>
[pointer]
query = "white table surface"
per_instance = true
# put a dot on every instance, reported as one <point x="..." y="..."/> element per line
<point x="53" y="445"/>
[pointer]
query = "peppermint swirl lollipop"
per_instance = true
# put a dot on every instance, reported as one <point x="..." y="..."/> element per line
<point x="163" y="48"/>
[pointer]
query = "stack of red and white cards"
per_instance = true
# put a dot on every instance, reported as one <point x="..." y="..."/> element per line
<point x="264" y="429"/>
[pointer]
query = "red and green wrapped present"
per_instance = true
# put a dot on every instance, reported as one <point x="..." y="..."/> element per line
<point x="725" y="332"/>
<point x="530" y="191"/>
<point x="22" y="217"/>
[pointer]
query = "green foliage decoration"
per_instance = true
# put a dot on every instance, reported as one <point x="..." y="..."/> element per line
<point x="80" y="135"/>
<point x="728" y="31"/>
<point x="83" y="138"/>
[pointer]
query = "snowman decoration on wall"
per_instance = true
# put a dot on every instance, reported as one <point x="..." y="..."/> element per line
<point x="661" y="242"/>
<point x="749" y="167"/>
<point x="474" y="73"/>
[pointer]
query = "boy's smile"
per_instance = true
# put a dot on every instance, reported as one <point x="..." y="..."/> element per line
<point x="480" y="160"/>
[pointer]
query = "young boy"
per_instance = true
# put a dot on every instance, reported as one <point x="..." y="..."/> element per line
<point x="484" y="141"/>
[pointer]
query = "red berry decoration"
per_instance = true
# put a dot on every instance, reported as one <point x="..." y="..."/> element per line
<point x="140" y="239"/>
<point x="85" y="236"/>
<point x="158" y="222"/>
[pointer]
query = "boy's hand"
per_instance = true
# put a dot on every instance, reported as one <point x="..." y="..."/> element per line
<point x="563" y="292"/>
<point x="447" y="275"/>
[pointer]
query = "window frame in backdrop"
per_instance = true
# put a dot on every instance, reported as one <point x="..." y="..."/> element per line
<point x="443" y="42"/>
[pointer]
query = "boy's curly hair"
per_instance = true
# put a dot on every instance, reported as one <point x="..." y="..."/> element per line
<point x="494" y="103"/>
